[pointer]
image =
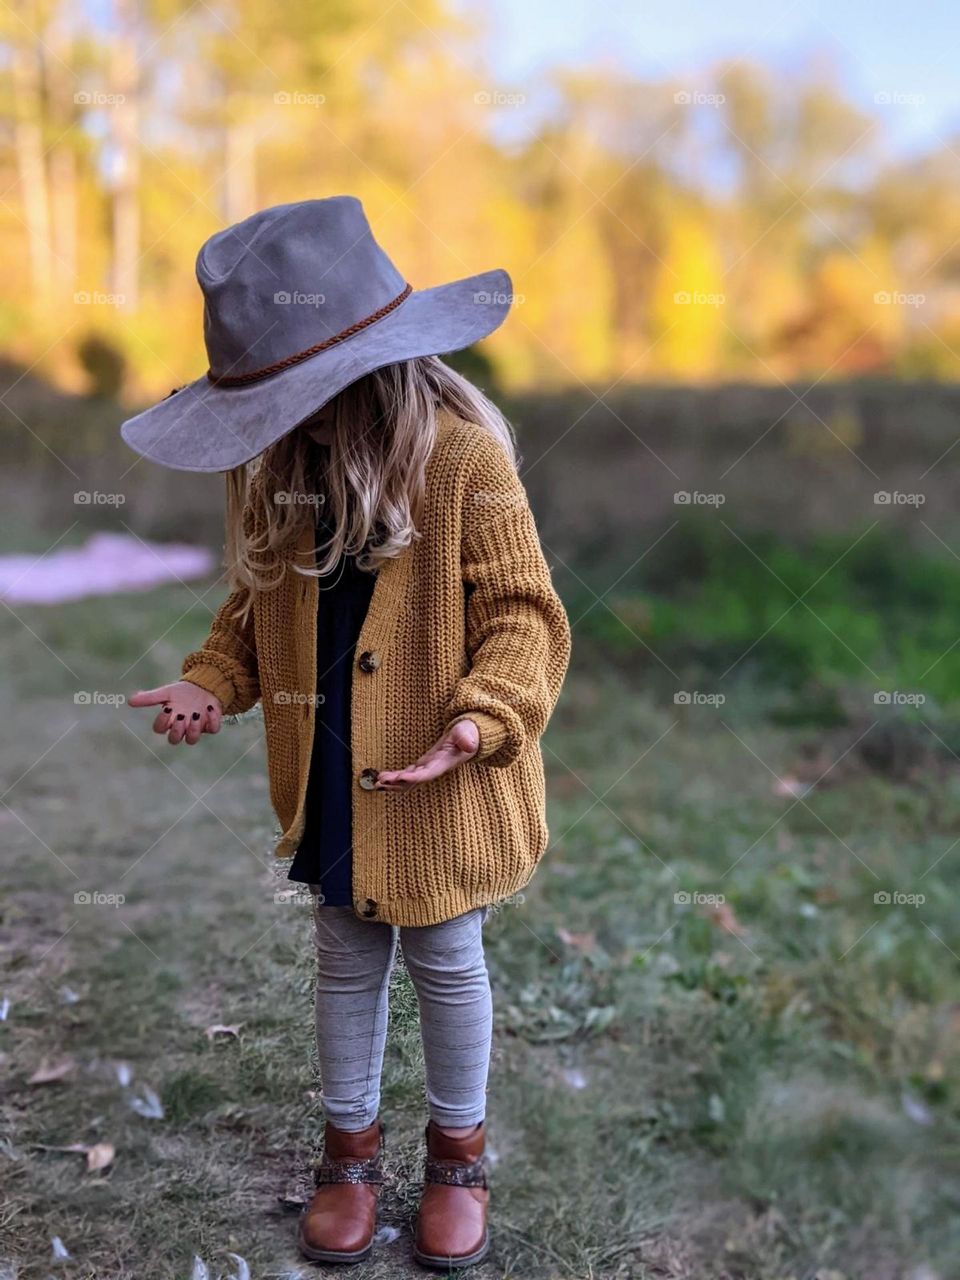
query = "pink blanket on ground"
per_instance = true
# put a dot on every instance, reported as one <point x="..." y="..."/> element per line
<point x="107" y="564"/>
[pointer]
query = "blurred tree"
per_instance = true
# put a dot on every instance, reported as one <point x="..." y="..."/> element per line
<point x="688" y="301"/>
<point x="60" y="143"/>
<point x="124" y="159"/>
<point x="25" y="48"/>
<point x="475" y="364"/>
<point x="149" y="124"/>
<point x="607" y="138"/>
<point x="104" y="365"/>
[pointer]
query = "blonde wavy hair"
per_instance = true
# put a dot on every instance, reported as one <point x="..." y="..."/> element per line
<point x="369" y="482"/>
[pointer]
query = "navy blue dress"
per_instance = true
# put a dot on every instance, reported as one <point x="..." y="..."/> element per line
<point x="324" y="857"/>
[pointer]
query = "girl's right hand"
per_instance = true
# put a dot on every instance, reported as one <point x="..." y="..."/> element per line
<point x="186" y="711"/>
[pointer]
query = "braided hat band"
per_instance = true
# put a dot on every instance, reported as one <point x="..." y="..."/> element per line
<point x="242" y="379"/>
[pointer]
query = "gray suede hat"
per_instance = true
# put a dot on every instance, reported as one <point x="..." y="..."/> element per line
<point x="300" y="301"/>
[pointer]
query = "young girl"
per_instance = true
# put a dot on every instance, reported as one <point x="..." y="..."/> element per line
<point x="393" y="613"/>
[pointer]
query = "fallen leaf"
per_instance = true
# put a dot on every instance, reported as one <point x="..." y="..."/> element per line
<point x="52" y="1072"/>
<point x="387" y="1235"/>
<point x="218" y="1029"/>
<point x="59" y="1249"/>
<point x="791" y="786"/>
<point x="585" y="942"/>
<point x="149" y="1106"/>
<point x="574" y="1078"/>
<point x="916" y="1110"/>
<point x="243" y="1271"/>
<point x="295" y="1197"/>
<point x="723" y="915"/>
<point x="100" y="1156"/>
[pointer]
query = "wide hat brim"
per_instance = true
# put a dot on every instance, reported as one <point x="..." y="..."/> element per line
<point x="209" y="428"/>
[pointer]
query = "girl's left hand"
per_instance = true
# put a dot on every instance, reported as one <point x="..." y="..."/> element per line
<point x="457" y="745"/>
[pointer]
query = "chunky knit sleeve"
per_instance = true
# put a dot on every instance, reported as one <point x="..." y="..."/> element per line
<point x="227" y="665"/>
<point x="518" y="636"/>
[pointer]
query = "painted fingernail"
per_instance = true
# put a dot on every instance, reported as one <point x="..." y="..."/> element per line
<point x="167" y="710"/>
<point x="195" y="716"/>
<point x="209" y="706"/>
<point x="179" y="717"/>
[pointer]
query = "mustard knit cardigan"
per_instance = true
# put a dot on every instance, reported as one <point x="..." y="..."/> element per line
<point x="463" y="624"/>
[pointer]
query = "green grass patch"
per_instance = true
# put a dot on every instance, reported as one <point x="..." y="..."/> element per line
<point x="867" y="610"/>
<point x="717" y="1053"/>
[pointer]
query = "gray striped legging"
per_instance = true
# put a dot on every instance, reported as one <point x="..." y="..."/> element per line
<point x="449" y="973"/>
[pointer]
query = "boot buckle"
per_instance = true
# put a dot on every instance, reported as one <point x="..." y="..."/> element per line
<point x="355" y="1171"/>
<point x="456" y="1173"/>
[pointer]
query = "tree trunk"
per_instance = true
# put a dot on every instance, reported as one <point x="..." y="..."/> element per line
<point x="124" y="124"/>
<point x="239" y="178"/>
<point x="28" y="142"/>
<point x="63" y="159"/>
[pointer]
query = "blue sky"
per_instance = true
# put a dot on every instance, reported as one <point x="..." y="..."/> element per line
<point x="903" y="47"/>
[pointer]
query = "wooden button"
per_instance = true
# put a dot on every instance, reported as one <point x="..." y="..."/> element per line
<point x="369" y="908"/>
<point x="369" y="661"/>
<point x="368" y="779"/>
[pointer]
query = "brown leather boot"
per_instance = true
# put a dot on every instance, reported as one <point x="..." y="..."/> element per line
<point x="339" y="1222"/>
<point x="452" y="1222"/>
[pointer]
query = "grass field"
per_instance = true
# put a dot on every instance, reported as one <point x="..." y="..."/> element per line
<point x="719" y="1054"/>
